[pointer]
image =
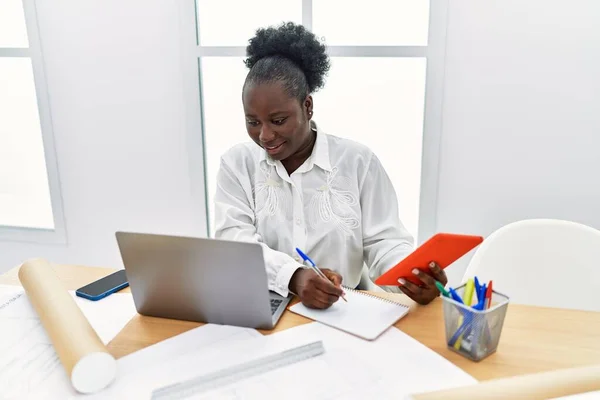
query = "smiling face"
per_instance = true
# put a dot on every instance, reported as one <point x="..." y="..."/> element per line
<point x="276" y="121"/>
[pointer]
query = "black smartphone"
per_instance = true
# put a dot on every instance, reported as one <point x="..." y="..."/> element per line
<point x="104" y="286"/>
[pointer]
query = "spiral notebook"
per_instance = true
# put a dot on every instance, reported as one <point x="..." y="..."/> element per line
<point x="364" y="315"/>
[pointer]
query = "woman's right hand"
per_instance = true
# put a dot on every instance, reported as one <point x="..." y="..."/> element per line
<point x="315" y="291"/>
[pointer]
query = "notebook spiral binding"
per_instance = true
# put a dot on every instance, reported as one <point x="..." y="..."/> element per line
<point x="362" y="293"/>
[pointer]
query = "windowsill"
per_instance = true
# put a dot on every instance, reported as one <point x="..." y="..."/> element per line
<point x="32" y="235"/>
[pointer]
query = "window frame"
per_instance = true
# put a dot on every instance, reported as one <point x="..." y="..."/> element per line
<point x="433" y="52"/>
<point x="58" y="235"/>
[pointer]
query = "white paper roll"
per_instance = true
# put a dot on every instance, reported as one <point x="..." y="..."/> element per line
<point x="539" y="386"/>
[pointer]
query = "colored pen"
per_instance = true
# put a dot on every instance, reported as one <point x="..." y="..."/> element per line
<point x="442" y="289"/>
<point x="468" y="298"/>
<point x="483" y="292"/>
<point x="315" y="268"/>
<point x="455" y="296"/>
<point x="456" y="339"/>
<point x="481" y="303"/>
<point x="488" y="296"/>
<point x="477" y="288"/>
<point x="466" y="324"/>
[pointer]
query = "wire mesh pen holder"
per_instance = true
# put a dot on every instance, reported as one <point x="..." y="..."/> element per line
<point x="473" y="333"/>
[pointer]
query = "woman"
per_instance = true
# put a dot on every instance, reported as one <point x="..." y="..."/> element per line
<point x="298" y="187"/>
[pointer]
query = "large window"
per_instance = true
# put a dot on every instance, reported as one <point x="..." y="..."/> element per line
<point x="374" y="93"/>
<point x="29" y="203"/>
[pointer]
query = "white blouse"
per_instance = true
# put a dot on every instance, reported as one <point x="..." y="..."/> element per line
<point x="339" y="207"/>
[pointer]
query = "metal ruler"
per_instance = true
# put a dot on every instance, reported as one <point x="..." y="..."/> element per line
<point x="235" y="373"/>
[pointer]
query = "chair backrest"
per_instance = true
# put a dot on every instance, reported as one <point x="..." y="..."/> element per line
<point x="542" y="262"/>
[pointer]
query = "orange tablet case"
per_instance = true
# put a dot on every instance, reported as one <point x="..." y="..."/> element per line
<point x="443" y="248"/>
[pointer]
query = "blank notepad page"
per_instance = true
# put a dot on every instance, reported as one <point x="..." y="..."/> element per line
<point x="363" y="315"/>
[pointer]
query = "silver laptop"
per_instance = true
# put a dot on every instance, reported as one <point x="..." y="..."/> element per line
<point x="203" y="280"/>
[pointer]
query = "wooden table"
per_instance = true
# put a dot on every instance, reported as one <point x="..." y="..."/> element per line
<point x="534" y="339"/>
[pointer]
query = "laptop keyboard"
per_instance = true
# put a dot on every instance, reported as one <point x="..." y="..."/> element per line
<point x="275" y="305"/>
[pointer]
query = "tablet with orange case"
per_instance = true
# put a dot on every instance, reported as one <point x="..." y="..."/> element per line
<point x="443" y="248"/>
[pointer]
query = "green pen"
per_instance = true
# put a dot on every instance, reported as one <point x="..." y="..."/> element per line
<point x="442" y="289"/>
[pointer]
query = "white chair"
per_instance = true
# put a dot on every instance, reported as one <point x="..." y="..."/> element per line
<point x="542" y="262"/>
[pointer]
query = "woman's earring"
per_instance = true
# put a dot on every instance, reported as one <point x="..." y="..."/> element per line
<point x="310" y="113"/>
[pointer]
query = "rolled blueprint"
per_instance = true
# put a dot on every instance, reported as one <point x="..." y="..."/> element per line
<point x="542" y="385"/>
<point x="86" y="360"/>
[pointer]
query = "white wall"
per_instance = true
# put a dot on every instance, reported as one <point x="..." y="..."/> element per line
<point x="521" y="118"/>
<point x="119" y="105"/>
<point x="520" y="132"/>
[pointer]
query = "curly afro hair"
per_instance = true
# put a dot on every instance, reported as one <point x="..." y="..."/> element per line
<point x="290" y="54"/>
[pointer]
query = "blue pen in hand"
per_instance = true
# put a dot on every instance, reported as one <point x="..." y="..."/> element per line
<point x="315" y="268"/>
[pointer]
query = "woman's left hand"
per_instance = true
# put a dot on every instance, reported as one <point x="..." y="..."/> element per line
<point x="427" y="291"/>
